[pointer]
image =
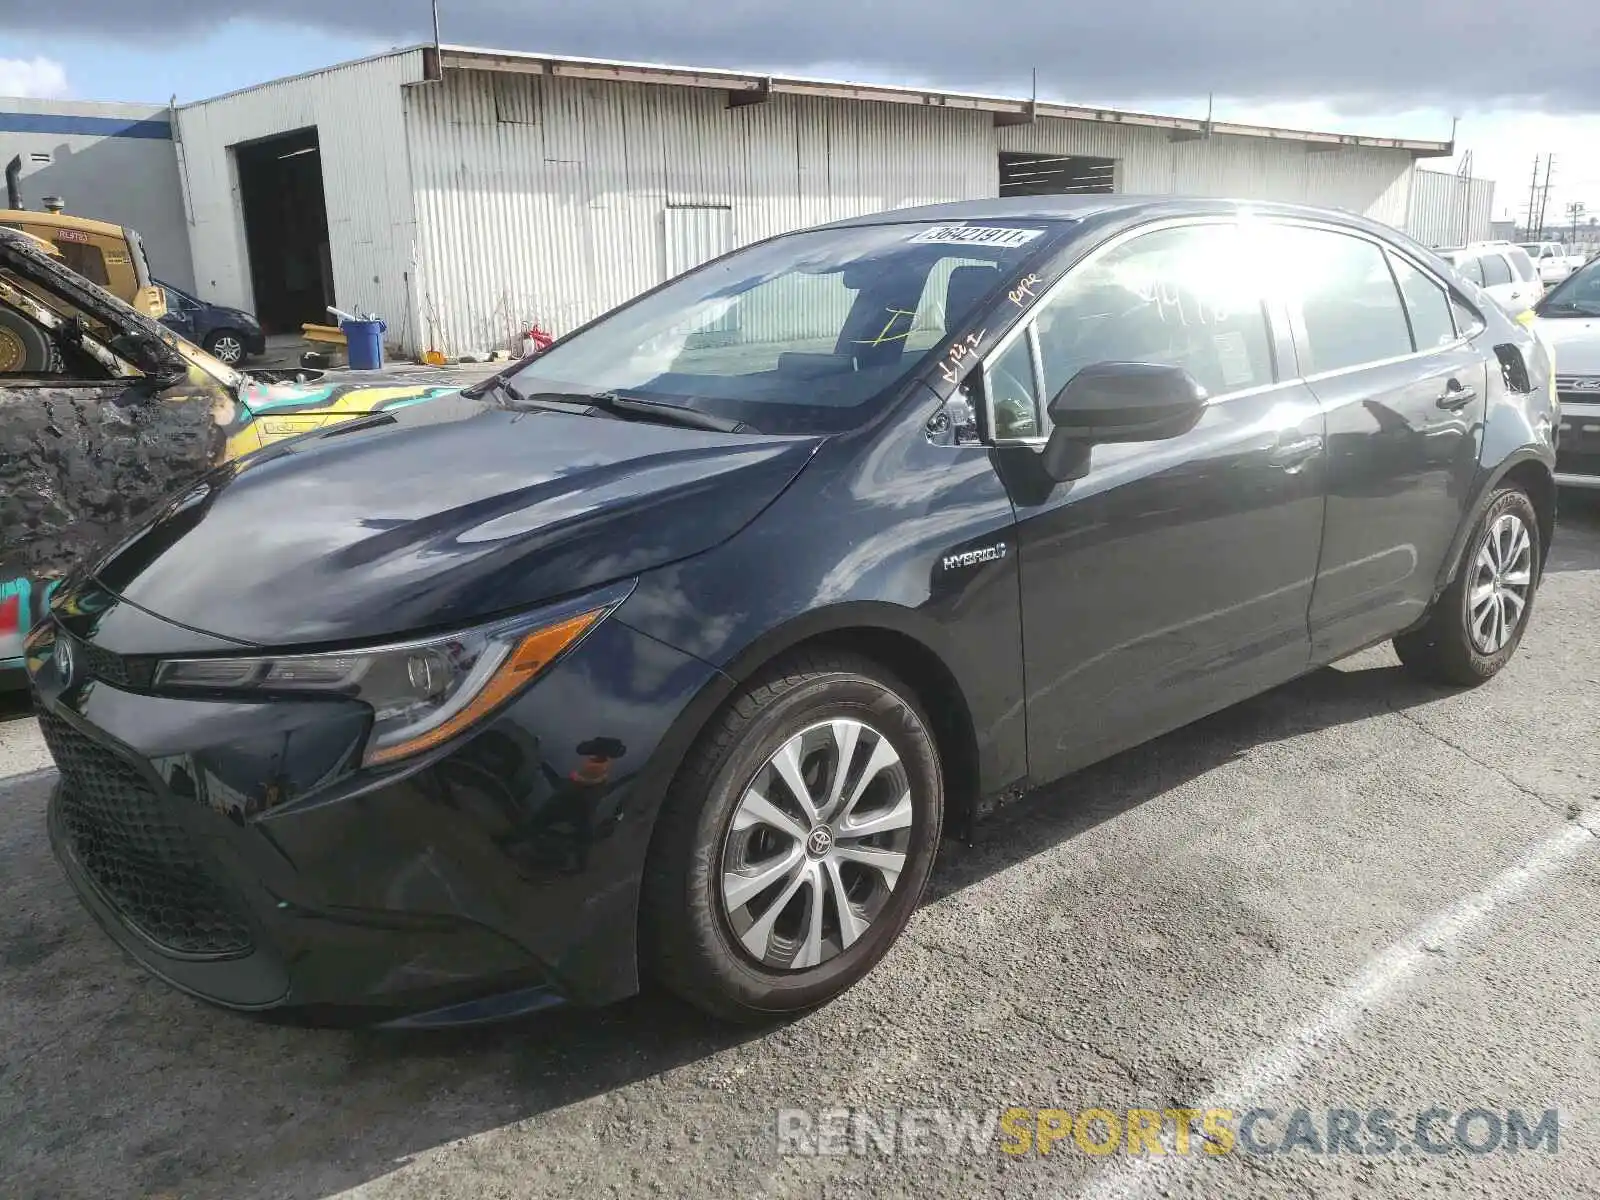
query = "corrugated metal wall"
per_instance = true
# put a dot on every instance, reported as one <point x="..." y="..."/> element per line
<point x="1448" y="210"/>
<point x="556" y="220"/>
<point x="357" y="111"/>
<point x="549" y="200"/>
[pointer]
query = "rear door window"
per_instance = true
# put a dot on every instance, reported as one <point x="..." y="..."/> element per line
<point x="1427" y="304"/>
<point x="1349" y="307"/>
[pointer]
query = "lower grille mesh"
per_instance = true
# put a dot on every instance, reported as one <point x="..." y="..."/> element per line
<point x="133" y="848"/>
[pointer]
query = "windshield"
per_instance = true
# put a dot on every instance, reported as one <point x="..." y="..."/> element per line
<point x="1576" y="296"/>
<point x="1532" y="248"/>
<point x="806" y="333"/>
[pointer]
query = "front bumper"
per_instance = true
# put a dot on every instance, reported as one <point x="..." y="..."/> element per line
<point x="234" y="850"/>
<point x="1578" y="444"/>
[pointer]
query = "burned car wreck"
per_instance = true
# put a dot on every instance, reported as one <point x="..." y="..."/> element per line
<point x="104" y="413"/>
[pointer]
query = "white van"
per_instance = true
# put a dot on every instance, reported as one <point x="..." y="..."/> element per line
<point x="1552" y="261"/>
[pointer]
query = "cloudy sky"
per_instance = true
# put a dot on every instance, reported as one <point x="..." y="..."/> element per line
<point x="1523" y="82"/>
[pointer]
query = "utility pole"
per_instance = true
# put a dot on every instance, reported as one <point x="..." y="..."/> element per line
<point x="1575" y="211"/>
<point x="1533" y="191"/>
<point x="1544" y="199"/>
<point x="435" y="24"/>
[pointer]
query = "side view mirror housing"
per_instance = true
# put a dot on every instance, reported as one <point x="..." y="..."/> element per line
<point x="1119" y="402"/>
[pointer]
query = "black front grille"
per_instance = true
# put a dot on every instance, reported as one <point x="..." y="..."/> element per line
<point x="137" y="853"/>
<point x="103" y="664"/>
<point x="1571" y="462"/>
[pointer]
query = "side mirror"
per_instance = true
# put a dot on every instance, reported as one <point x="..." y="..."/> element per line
<point x="1119" y="402"/>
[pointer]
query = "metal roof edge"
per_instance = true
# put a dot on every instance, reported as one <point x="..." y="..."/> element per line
<point x="395" y="52"/>
<point x="623" y="71"/>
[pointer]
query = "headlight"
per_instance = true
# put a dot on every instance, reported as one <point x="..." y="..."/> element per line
<point x="423" y="692"/>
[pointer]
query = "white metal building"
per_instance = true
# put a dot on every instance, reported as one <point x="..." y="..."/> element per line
<point x="113" y="162"/>
<point x="1449" y="210"/>
<point x="469" y="193"/>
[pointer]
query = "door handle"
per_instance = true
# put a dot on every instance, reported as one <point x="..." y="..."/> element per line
<point x="1291" y="456"/>
<point x="1455" y="396"/>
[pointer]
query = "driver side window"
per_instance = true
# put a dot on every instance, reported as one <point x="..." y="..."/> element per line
<point x="1188" y="296"/>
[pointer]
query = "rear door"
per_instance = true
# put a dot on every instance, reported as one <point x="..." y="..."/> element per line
<point x="1174" y="577"/>
<point x="1501" y="282"/>
<point x="1403" y="386"/>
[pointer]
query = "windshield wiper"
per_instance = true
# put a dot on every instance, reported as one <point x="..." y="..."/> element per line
<point x="1574" y="308"/>
<point x="622" y="408"/>
<point x="676" y="414"/>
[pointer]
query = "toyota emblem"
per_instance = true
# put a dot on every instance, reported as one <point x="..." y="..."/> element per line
<point x="66" y="660"/>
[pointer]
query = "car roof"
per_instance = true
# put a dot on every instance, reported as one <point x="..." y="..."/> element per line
<point x="1081" y="208"/>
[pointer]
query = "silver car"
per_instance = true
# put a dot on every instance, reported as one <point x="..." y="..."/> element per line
<point x="1567" y="320"/>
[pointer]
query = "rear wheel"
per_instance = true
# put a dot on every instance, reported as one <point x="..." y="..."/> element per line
<point x="796" y="841"/>
<point x="227" y="345"/>
<point x="1477" y="624"/>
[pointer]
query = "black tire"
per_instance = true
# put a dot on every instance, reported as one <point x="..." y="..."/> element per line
<point x="1442" y="650"/>
<point x="214" y="340"/>
<point x="25" y="349"/>
<point x="687" y="939"/>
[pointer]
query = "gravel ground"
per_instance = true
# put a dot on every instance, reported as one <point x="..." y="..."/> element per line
<point x="1355" y="892"/>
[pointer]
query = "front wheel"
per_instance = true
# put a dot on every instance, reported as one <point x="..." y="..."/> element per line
<point x="1478" y="622"/>
<point x="796" y="841"/>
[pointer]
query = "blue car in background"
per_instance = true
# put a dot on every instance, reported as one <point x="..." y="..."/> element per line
<point x="230" y="334"/>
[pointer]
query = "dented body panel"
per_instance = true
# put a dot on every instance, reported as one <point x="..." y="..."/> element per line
<point x="135" y="413"/>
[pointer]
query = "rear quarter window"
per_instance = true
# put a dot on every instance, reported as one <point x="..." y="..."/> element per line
<point x="1471" y="267"/>
<point x="1521" y="263"/>
<point x="1496" y="269"/>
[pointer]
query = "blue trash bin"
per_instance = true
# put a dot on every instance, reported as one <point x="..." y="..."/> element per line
<point x="364" y="340"/>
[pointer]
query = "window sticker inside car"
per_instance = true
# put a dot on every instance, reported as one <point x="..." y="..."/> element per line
<point x="976" y="235"/>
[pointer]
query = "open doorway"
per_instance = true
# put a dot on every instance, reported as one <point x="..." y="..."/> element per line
<point x="286" y="230"/>
<point x="1055" y="174"/>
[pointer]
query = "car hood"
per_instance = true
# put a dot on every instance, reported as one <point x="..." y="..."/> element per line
<point x="237" y="315"/>
<point x="1576" y="341"/>
<point x="439" y="515"/>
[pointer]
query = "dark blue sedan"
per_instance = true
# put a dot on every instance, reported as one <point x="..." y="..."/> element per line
<point x="229" y="333"/>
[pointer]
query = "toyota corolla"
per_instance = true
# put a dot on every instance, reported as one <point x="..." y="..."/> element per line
<point x="675" y="650"/>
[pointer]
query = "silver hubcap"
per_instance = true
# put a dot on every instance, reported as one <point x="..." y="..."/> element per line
<point x="816" y="845"/>
<point x="1502" y="576"/>
<point x="229" y="350"/>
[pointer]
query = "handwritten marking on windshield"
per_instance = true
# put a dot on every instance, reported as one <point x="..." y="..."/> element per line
<point x="956" y="357"/>
<point x="1023" y="292"/>
<point x="885" y="334"/>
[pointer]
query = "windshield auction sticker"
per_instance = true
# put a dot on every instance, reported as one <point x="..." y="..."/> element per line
<point x="976" y="235"/>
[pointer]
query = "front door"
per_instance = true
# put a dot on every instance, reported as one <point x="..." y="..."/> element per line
<point x="1173" y="577"/>
<point x="1394" y="363"/>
